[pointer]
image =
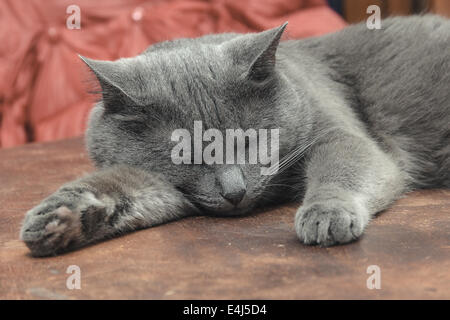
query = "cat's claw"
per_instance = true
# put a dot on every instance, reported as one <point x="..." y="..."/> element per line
<point x="329" y="223"/>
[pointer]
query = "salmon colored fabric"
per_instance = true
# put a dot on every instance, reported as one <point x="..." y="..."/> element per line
<point x="43" y="83"/>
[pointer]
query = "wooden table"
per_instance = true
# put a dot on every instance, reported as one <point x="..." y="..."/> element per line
<point x="256" y="257"/>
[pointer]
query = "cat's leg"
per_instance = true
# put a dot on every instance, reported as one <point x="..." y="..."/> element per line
<point x="104" y="204"/>
<point x="349" y="180"/>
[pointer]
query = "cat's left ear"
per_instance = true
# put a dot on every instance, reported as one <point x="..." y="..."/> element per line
<point x="258" y="51"/>
<point x="115" y="81"/>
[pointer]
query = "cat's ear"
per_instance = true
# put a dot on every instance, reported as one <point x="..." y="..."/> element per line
<point x="264" y="64"/>
<point x="258" y="51"/>
<point x="112" y="76"/>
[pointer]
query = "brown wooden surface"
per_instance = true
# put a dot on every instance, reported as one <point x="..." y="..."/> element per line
<point x="441" y="7"/>
<point x="356" y="10"/>
<point x="208" y="258"/>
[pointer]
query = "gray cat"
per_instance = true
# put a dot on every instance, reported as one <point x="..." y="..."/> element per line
<point x="364" y="116"/>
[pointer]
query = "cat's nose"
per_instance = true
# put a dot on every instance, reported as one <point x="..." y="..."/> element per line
<point x="235" y="197"/>
<point x="232" y="183"/>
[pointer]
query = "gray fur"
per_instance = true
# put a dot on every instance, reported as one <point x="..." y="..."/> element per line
<point x="364" y="114"/>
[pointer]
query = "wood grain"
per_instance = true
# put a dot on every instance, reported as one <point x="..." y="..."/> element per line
<point x="254" y="257"/>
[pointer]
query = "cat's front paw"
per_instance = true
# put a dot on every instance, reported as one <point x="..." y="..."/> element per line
<point x="61" y="221"/>
<point x="329" y="223"/>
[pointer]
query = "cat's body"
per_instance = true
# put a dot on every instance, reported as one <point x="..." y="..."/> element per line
<point x="398" y="85"/>
<point x="364" y="116"/>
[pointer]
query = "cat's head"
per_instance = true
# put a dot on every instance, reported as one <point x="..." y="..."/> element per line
<point x="225" y="81"/>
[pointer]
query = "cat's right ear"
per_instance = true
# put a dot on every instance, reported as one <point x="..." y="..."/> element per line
<point x="257" y="51"/>
<point x="112" y="78"/>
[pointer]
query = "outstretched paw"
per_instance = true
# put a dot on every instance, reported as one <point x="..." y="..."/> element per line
<point x="61" y="222"/>
<point x="330" y="223"/>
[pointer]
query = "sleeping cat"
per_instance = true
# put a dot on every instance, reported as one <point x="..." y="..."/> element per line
<point x="363" y="116"/>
